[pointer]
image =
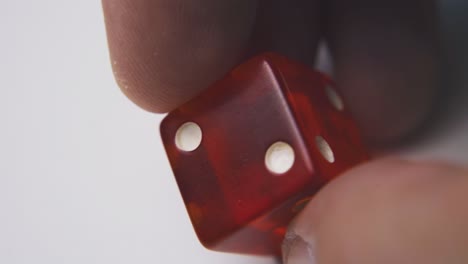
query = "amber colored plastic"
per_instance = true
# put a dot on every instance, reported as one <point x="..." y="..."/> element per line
<point x="234" y="202"/>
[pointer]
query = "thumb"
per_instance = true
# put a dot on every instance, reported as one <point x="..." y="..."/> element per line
<point x="386" y="211"/>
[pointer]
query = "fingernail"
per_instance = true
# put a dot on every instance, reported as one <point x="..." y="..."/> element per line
<point x="297" y="251"/>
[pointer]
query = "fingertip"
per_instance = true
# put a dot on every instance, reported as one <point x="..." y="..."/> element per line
<point x="164" y="52"/>
<point x="386" y="63"/>
<point x="385" y="211"/>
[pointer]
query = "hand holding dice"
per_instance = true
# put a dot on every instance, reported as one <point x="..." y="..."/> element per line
<point x="250" y="151"/>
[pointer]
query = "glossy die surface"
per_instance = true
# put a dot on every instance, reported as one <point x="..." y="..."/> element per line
<point x="235" y="202"/>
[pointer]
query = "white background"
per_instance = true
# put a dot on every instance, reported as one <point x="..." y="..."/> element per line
<point x="83" y="175"/>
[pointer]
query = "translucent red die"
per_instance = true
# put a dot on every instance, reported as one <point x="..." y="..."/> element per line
<point x="251" y="150"/>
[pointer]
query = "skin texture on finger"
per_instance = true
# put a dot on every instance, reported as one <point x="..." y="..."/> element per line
<point x="386" y="57"/>
<point x="164" y="52"/>
<point x="388" y="211"/>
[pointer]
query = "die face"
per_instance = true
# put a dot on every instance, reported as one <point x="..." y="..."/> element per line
<point x="235" y="202"/>
<point x="224" y="182"/>
<point x="332" y="137"/>
<point x="264" y="235"/>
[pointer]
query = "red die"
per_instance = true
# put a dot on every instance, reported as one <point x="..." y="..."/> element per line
<point x="249" y="151"/>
